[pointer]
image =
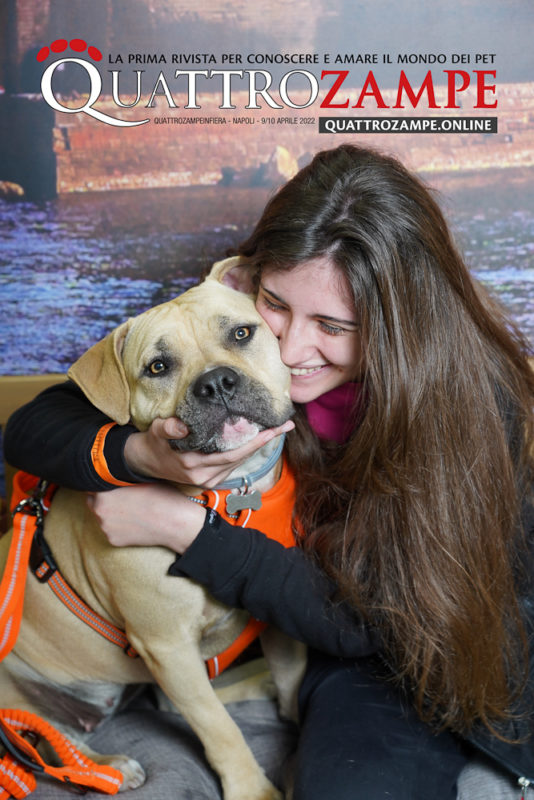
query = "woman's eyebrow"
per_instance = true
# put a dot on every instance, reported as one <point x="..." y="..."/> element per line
<point x="341" y="321"/>
<point x="268" y="291"/>
<point x="322" y="316"/>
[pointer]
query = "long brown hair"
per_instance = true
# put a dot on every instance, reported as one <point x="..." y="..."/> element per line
<point x="418" y="516"/>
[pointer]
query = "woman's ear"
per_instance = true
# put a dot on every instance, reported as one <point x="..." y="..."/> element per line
<point x="236" y="273"/>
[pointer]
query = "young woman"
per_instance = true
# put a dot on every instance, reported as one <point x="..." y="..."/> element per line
<point x="411" y="584"/>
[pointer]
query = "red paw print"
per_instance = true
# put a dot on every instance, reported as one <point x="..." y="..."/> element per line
<point x="60" y="45"/>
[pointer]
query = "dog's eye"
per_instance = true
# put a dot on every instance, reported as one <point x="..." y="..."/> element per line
<point x="242" y="333"/>
<point x="157" y="367"/>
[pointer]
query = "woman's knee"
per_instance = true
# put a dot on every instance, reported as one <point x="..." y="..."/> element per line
<point x="361" y="740"/>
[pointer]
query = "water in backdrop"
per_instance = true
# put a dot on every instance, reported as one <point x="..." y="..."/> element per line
<point x="74" y="268"/>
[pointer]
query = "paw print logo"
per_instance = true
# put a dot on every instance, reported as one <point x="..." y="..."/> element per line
<point x="77" y="48"/>
<point x="76" y="45"/>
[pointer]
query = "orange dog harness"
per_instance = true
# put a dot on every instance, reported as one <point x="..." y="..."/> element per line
<point x="30" y="501"/>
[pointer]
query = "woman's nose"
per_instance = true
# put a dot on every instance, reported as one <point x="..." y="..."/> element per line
<point x="295" y="346"/>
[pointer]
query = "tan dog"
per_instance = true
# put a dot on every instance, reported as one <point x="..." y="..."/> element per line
<point x="208" y="358"/>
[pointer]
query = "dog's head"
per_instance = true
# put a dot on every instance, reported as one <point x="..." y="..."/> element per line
<point x="206" y="357"/>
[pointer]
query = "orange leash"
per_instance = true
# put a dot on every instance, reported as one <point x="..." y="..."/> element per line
<point x="13" y="583"/>
<point x="22" y="759"/>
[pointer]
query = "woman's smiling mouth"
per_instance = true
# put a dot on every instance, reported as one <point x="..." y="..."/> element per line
<point x="299" y="371"/>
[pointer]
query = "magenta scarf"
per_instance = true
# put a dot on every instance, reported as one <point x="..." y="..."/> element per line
<point x="333" y="414"/>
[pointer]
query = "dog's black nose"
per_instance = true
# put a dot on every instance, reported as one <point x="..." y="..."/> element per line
<point x="216" y="386"/>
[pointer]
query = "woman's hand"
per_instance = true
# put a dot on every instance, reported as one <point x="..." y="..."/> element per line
<point x="150" y="454"/>
<point x="147" y="514"/>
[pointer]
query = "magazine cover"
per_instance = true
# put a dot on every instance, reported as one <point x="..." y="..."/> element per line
<point x="139" y="144"/>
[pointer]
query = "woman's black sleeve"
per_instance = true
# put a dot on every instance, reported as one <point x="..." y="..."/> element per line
<point x="53" y="435"/>
<point x="285" y="587"/>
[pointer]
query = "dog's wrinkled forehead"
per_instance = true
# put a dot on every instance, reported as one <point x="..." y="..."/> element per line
<point x="201" y="316"/>
<point x="207" y="325"/>
<point x="169" y="348"/>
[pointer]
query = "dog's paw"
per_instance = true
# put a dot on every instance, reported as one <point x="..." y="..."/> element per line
<point x="134" y="775"/>
<point x="132" y="771"/>
<point x="261" y="789"/>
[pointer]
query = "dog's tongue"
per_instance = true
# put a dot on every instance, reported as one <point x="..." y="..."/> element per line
<point x="238" y="430"/>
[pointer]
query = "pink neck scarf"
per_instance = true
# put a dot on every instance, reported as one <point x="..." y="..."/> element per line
<point x="333" y="414"/>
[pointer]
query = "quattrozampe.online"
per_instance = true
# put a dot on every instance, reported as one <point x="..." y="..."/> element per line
<point x="408" y="125"/>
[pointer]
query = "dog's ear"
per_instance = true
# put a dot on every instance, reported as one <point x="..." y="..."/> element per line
<point x="100" y="375"/>
<point x="234" y="272"/>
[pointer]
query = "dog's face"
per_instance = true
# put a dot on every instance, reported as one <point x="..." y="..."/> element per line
<point x="206" y="357"/>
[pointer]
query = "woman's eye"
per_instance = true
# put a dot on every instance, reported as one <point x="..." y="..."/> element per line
<point x="241" y="333"/>
<point x="157" y="367"/>
<point x="333" y="330"/>
<point x="271" y="305"/>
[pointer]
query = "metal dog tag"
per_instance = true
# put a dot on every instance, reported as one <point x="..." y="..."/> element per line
<point x="238" y="502"/>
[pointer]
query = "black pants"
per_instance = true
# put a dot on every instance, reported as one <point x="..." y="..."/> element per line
<point x="362" y="740"/>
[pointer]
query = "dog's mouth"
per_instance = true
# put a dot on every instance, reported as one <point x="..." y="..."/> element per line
<point x="239" y="430"/>
<point x="218" y="432"/>
<point x="234" y="431"/>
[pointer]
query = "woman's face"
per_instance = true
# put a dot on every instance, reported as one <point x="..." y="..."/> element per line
<point x="311" y="311"/>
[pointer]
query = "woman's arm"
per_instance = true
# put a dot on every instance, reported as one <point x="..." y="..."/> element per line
<point x="284" y="587"/>
<point x="54" y="435"/>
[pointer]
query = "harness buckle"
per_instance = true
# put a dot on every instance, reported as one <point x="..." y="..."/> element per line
<point x="16" y="751"/>
<point x="34" y="503"/>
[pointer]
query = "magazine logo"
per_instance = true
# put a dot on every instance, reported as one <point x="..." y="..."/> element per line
<point x="297" y="89"/>
<point x="95" y="82"/>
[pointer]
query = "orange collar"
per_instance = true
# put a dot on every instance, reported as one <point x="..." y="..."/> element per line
<point x="274" y="518"/>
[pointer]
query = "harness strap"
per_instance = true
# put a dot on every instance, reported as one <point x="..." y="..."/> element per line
<point x="22" y="759"/>
<point x="29" y="546"/>
<point x="46" y="572"/>
<point x="220" y="662"/>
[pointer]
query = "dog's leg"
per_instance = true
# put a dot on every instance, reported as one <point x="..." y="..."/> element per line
<point x="286" y="659"/>
<point x="182" y="676"/>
